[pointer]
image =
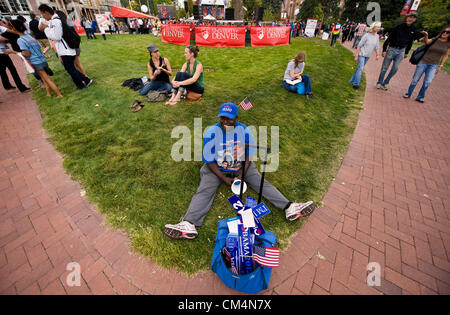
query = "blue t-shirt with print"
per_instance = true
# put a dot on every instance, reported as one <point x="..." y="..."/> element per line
<point x="227" y="148"/>
<point x="26" y="42"/>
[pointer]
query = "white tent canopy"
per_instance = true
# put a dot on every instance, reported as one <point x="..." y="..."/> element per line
<point x="209" y="17"/>
<point x="212" y="2"/>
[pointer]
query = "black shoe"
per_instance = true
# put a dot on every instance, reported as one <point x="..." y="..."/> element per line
<point x="27" y="89"/>
<point x="420" y="100"/>
<point x="89" y="83"/>
<point x="356" y="87"/>
<point x="406" y="96"/>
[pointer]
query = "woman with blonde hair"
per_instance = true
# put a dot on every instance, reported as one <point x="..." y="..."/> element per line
<point x="369" y="43"/>
<point x="293" y="75"/>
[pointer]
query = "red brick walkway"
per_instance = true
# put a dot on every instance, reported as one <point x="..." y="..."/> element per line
<point x="389" y="204"/>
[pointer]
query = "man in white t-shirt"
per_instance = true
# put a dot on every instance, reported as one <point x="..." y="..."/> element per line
<point x="54" y="31"/>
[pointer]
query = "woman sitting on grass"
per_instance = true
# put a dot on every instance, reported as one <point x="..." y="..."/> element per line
<point x="293" y="75"/>
<point x="190" y="78"/>
<point x="159" y="71"/>
<point x="31" y="50"/>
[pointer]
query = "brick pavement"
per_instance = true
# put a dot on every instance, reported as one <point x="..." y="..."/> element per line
<point x="389" y="204"/>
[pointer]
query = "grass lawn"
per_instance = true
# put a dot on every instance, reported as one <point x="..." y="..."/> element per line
<point x="123" y="159"/>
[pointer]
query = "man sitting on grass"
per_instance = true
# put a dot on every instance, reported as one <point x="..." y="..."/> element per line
<point x="222" y="143"/>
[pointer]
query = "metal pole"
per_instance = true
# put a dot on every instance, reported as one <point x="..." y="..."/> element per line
<point x="243" y="170"/>
<point x="262" y="177"/>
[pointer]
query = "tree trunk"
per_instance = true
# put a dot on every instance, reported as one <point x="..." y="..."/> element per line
<point x="238" y="10"/>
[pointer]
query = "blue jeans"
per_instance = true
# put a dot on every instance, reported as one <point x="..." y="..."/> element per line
<point x="155" y="86"/>
<point x="356" y="42"/>
<point x="430" y="72"/>
<point x="334" y="39"/>
<point x="356" y="77"/>
<point x="394" y="55"/>
<point x="293" y="88"/>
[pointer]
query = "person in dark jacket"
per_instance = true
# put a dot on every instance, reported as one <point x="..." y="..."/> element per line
<point x="396" y="48"/>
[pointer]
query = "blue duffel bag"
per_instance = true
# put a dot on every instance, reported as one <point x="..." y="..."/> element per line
<point x="301" y="88"/>
<point x="253" y="282"/>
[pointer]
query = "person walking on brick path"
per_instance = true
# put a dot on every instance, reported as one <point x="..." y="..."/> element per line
<point x="223" y="154"/>
<point x="360" y="31"/>
<point x="335" y="33"/>
<point x="399" y="42"/>
<point x="368" y="44"/>
<point x="432" y="62"/>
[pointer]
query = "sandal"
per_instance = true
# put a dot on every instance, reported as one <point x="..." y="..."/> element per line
<point x="138" y="107"/>
<point x="135" y="103"/>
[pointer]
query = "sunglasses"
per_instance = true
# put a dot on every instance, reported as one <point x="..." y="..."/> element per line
<point x="447" y="32"/>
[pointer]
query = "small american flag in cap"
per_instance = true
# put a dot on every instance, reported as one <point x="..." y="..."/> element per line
<point x="266" y="256"/>
<point x="246" y="104"/>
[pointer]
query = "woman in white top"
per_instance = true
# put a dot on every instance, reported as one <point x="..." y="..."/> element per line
<point x="369" y="43"/>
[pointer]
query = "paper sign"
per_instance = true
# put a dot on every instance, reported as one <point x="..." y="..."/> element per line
<point x="233" y="226"/>
<point x="247" y="218"/>
<point x="245" y="251"/>
<point x="251" y="202"/>
<point x="259" y="230"/>
<point x="260" y="210"/>
<point x="236" y="203"/>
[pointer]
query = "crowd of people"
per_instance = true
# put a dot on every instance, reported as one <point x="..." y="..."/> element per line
<point x="32" y="41"/>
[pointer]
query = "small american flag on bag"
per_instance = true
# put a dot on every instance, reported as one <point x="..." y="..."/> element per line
<point x="246" y="104"/>
<point x="266" y="256"/>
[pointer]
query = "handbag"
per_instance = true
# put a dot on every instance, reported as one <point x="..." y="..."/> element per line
<point x="192" y="96"/>
<point x="253" y="282"/>
<point x="418" y="54"/>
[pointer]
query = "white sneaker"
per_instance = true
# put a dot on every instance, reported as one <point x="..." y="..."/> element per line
<point x="184" y="229"/>
<point x="299" y="210"/>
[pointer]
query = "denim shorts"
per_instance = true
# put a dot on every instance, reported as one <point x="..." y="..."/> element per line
<point x="40" y="66"/>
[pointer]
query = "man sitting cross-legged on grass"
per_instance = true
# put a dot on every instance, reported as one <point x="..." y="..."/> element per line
<point x="223" y="156"/>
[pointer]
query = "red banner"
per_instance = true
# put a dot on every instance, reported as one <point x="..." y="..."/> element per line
<point x="176" y="34"/>
<point x="220" y="36"/>
<point x="270" y="36"/>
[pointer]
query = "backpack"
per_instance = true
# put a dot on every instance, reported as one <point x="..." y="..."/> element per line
<point x="157" y="96"/>
<point x="70" y="36"/>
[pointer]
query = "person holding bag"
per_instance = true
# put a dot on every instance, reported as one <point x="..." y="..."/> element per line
<point x="437" y="51"/>
<point x="31" y="50"/>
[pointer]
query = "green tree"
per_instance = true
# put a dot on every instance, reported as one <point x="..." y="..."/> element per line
<point x="434" y="15"/>
<point x="191" y="7"/>
<point x="307" y="10"/>
<point x="273" y="5"/>
<point x="251" y="6"/>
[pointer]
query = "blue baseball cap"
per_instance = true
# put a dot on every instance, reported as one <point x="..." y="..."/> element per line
<point x="228" y="110"/>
